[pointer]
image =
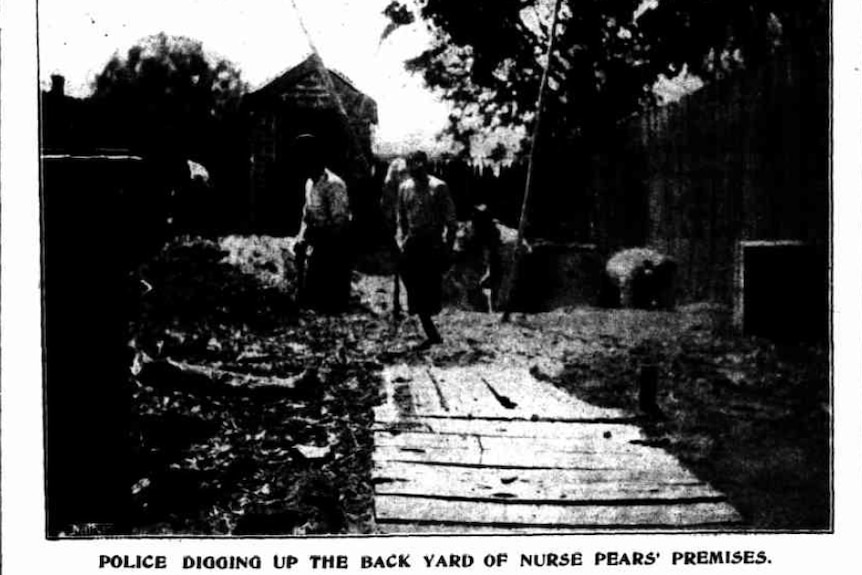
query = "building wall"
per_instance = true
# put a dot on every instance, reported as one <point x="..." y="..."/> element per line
<point x="285" y="109"/>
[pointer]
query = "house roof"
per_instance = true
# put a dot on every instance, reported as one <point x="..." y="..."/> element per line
<point x="303" y="86"/>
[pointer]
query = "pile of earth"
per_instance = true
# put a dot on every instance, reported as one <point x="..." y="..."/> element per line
<point x="249" y="415"/>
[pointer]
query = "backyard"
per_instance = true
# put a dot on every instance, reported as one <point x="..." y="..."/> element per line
<point x="253" y="417"/>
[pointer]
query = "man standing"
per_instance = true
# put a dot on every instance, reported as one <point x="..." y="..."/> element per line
<point x="425" y="233"/>
<point x="488" y="238"/>
<point x="324" y="232"/>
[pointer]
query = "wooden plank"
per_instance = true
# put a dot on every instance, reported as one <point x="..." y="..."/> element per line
<point x="516" y="428"/>
<point x="468" y="395"/>
<point x="532" y="484"/>
<point x="466" y="528"/>
<point x="411" y="509"/>
<point x="408" y="391"/>
<point x="592" y="441"/>
<point x="395" y="407"/>
<point x="461" y="528"/>
<point x="431" y="397"/>
<point x="589" y="441"/>
<point x="482" y="449"/>
<point x="464" y="395"/>
<point x="467" y="391"/>
<point x="549" y="459"/>
<point x="426" y="397"/>
<point x="678" y="475"/>
<point x="426" y="441"/>
<point x="541" y="398"/>
<point x="487" y="391"/>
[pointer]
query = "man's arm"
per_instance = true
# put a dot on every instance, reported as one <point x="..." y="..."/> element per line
<point x="389" y="199"/>
<point x="310" y="215"/>
<point x="447" y="208"/>
<point x="400" y="215"/>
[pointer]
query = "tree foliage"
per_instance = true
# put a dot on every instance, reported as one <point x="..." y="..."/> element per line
<point x="487" y="56"/>
<point x="167" y="90"/>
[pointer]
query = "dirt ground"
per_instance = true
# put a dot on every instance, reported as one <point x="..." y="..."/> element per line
<point x="253" y="417"/>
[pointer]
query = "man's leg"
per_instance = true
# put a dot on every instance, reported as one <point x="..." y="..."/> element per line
<point x="300" y="265"/>
<point x="433" y="295"/>
<point x="329" y="278"/>
<point x="430" y="330"/>
<point x="396" y="297"/>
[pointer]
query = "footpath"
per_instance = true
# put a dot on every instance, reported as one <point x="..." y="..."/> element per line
<point x="485" y="448"/>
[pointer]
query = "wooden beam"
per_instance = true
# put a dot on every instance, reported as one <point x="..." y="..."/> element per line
<point x="536" y="484"/>
<point x="475" y="455"/>
<point x="411" y="509"/>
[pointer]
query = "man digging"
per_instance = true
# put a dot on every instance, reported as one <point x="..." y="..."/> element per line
<point x="425" y="233"/>
<point x="324" y="233"/>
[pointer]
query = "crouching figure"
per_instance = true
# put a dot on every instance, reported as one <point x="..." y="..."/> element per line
<point x="640" y="278"/>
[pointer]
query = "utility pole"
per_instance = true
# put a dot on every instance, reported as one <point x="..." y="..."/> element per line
<point x="343" y="119"/>
<point x="506" y="292"/>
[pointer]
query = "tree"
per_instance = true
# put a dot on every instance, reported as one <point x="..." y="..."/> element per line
<point x="486" y="55"/>
<point x="167" y="91"/>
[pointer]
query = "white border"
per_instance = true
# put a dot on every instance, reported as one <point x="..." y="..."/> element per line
<point x="26" y="551"/>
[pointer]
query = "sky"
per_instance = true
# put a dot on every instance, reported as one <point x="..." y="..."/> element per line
<point x="262" y="37"/>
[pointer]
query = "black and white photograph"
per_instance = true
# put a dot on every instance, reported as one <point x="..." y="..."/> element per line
<point x="434" y="267"/>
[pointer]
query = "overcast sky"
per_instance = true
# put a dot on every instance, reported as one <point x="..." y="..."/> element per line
<point x="262" y="37"/>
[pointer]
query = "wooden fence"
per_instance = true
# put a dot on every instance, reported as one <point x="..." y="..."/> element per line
<point x="746" y="158"/>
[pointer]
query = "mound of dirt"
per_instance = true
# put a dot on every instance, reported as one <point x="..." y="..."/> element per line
<point x="250" y="416"/>
<point x="197" y="280"/>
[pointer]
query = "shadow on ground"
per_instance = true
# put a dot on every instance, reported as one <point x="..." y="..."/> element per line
<point x="749" y="416"/>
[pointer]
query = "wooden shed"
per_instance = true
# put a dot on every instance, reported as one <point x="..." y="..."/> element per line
<point x="303" y="100"/>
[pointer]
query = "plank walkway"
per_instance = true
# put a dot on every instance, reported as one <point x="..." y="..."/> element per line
<point x="481" y="449"/>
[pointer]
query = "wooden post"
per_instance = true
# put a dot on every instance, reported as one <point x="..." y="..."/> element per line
<point x="506" y="291"/>
<point x="648" y="388"/>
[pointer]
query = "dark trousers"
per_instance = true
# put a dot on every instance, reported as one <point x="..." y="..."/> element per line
<point x="328" y="276"/>
<point x="421" y="267"/>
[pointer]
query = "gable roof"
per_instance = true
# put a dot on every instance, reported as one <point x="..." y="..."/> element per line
<point x="304" y="86"/>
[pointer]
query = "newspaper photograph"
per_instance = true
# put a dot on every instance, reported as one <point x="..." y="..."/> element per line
<point x="416" y="285"/>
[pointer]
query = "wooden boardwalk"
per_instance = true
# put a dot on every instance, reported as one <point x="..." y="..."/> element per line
<point x="485" y="449"/>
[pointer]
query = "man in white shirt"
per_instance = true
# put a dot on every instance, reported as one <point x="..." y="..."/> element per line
<point x="426" y="228"/>
<point x="324" y="232"/>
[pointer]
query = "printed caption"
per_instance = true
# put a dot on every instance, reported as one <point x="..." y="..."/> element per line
<point x="426" y="561"/>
